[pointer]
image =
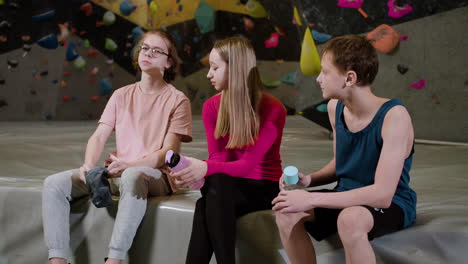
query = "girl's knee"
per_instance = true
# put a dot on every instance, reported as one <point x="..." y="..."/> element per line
<point x="218" y="186"/>
<point x="218" y="180"/>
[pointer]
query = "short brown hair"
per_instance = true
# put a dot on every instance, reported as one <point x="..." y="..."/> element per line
<point x="355" y="53"/>
<point x="169" y="74"/>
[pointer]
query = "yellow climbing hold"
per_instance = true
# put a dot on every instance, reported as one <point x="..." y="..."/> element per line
<point x="255" y="9"/>
<point x="297" y="17"/>
<point x="153" y="8"/>
<point x="310" y="60"/>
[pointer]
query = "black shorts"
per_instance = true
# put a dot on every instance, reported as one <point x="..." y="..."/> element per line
<point x="386" y="221"/>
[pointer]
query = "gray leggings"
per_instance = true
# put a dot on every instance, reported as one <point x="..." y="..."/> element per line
<point x="135" y="185"/>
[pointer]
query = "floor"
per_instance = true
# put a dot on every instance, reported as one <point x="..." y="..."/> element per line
<point x="30" y="151"/>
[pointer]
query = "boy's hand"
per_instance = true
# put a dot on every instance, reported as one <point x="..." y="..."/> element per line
<point x="110" y="158"/>
<point x="83" y="170"/>
<point x="304" y="181"/>
<point x="116" y="167"/>
<point x="292" y="201"/>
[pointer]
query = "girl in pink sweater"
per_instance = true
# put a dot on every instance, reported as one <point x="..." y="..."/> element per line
<point x="244" y="126"/>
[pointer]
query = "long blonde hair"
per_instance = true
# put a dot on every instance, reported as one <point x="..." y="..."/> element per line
<point x="238" y="112"/>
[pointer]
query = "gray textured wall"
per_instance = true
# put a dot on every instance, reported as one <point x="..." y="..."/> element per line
<point x="437" y="50"/>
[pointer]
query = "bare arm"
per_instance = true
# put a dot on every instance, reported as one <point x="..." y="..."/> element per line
<point x="94" y="148"/>
<point x="152" y="160"/>
<point x="157" y="158"/>
<point x="323" y="176"/>
<point x="327" y="174"/>
<point x="398" y="136"/>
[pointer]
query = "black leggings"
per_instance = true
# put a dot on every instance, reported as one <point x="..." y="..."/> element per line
<point x="224" y="199"/>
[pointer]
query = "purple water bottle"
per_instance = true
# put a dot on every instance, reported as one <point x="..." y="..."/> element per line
<point x="177" y="162"/>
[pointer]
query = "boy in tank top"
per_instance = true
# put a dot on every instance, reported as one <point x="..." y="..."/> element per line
<point x="373" y="151"/>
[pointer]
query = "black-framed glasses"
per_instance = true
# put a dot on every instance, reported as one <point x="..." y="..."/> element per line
<point x="155" y="52"/>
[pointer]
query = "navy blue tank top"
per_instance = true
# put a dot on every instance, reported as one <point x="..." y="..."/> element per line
<point x="357" y="155"/>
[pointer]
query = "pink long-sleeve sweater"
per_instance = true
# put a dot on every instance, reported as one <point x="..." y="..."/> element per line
<point x="260" y="161"/>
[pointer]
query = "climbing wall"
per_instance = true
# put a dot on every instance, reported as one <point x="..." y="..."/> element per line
<point x="45" y="86"/>
<point x="163" y="13"/>
<point x="435" y="86"/>
<point x="426" y="69"/>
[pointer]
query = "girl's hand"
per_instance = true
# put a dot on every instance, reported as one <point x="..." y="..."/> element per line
<point x="194" y="172"/>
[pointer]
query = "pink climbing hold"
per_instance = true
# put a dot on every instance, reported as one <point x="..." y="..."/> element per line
<point x="350" y="3"/>
<point x="398" y="11"/>
<point x="419" y="84"/>
<point x="272" y="41"/>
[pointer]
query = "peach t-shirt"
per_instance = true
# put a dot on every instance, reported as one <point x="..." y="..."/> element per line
<point x="141" y="121"/>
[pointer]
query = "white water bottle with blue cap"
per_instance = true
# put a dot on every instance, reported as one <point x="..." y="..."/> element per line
<point x="291" y="178"/>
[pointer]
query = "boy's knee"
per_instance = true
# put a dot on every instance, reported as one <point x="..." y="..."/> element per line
<point x="133" y="180"/>
<point x="51" y="182"/>
<point x="354" y="222"/>
<point x="131" y="176"/>
<point x="58" y="181"/>
<point x="286" y="221"/>
<point x="280" y="220"/>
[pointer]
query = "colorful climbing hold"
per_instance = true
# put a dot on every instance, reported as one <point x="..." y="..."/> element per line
<point x="49" y="42"/>
<point x="310" y="60"/>
<point x="108" y="18"/>
<point x="110" y="44"/>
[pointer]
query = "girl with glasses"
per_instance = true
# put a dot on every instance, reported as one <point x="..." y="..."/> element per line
<point x="149" y="118"/>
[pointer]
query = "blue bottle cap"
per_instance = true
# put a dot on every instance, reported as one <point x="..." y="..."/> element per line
<point x="291" y="171"/>
<point x="291" y="175"/>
